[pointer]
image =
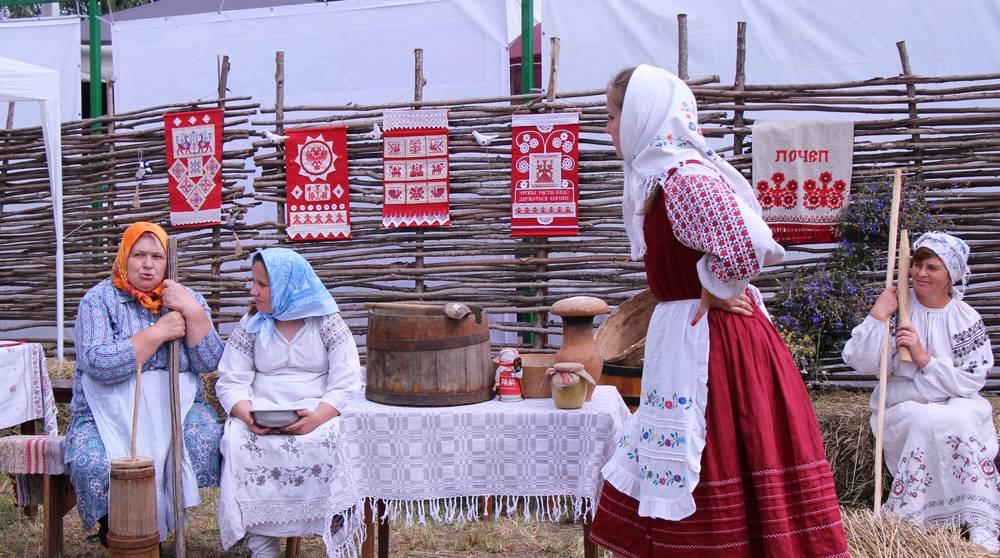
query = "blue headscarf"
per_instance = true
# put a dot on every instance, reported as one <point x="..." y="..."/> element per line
<point x="296" y="292"/>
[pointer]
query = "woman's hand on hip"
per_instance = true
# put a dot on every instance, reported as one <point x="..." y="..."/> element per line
<point x="741" y="305"/>
<point x="310" y="420"/>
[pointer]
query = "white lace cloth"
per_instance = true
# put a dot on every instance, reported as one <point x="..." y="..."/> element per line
<point x="433" y="463"/>
<point x="25" y="387"/>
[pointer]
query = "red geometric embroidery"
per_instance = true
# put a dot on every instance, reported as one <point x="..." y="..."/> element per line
<point x="705" y="217"/>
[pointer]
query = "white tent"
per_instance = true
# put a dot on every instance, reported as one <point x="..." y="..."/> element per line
<point x="20" y="81"/>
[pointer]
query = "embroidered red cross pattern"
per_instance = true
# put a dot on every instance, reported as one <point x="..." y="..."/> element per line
<point x="706" y="217"/>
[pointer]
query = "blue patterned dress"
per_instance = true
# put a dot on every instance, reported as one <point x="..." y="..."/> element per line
<point x="107" y="318"/>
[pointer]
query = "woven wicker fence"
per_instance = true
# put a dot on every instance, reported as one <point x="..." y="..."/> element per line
<point x="942" y="131"/>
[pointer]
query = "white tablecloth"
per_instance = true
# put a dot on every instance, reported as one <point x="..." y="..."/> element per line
<point x="433" y="463"/>
<point x="25" y="389"/>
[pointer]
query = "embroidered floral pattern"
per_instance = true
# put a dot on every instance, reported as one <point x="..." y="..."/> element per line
<point x="285" y="476"/>
<point x="631" y="451"/>
<point x="666" y="478"/>
<point x="250" y="444"/>
<point x="829" y="193"/>
<point x="911" y="479"/>
<point x="781" y="194"/>
<point x="970" y="459"/>
<point x="706" y="217"/>
<point x="291" y="446"/>
<point x="668" y="402"/>
<point x="668" y="141"/>
<point x="662" y="439"/>
<point x="968" y="341"/>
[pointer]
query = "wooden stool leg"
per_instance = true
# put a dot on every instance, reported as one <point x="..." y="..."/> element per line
<point x="368" y="547"/>
<point x="383" y="531"/>
<point x="53" y="510"/>
<point x="589" y="548"/>
<point x="292" y="547"/>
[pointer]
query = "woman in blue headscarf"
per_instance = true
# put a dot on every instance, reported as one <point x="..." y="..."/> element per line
<point x="293" y="352"/>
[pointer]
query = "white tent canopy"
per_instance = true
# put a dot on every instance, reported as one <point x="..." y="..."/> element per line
<point x="20" y="81"/>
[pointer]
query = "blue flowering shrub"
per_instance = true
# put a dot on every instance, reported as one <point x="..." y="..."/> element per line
<point x="816" y="309"/>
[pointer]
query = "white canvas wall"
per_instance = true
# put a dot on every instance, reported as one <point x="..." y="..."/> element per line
<point x="360" y="51"/>
<point x="788" y="41"/>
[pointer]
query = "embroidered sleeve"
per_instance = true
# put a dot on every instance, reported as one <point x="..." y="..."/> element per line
<point x="101" y="356"/>
<point x="344" y="378"/>
<point x="707" y="216"/>
<point x="334" y="332"/>
<point x="963" y="373"/>
<point x="236" y="368"/>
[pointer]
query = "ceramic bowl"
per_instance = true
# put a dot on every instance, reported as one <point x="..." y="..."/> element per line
<point x="275" y="418"/>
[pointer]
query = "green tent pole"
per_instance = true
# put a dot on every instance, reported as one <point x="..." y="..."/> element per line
<point x="527" y="84"/>
<point x="96" y="104"/>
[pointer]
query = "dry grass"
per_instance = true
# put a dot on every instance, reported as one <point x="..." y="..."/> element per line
<point x="890" y="536"/>
<point x="843" y="420"/>
<point x="21" y="536"/>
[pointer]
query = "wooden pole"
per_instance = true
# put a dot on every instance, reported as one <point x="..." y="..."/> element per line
<point x="883" y="373"/>
<point x="739" y="84"/>
<point x="682" y="46"/>
<point x="911" y="92"/>
<point x="418" y="95"/>
<point x="135" y="409"/>
<point x="177" y="434"/>
<point x="903" y="289"/>
<point x="214" y="302"/>
<point x="553" y="69"/>
<point x="279" y="117"/>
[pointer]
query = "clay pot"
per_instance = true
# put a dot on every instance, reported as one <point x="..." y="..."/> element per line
<point x="578" y="334"/>
<point x="533" y="383"/>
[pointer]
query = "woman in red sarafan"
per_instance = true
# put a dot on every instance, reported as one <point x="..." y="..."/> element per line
<point x="723" y="456"/>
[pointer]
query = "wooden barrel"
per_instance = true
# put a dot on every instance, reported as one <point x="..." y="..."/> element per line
<point x="132" y="526"/>
<point x="419" y="357"/>
<point x="628" y="380"/>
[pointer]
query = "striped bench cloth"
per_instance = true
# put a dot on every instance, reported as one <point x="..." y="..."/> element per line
<point x="29" y="458"/>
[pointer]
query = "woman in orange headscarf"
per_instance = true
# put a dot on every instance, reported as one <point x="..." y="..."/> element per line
<point x="125" y="321"/>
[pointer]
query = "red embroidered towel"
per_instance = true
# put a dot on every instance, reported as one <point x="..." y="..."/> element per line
<point x="316" y="188"/>
<point x="543" y="176"/>
<point x="415" y="153"/>
<point x="194" y="166"/>
<point x="802" y="177"/>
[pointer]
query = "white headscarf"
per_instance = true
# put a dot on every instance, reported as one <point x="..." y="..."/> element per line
<point x="659" y="131"/>
<point x="954" y="252"/>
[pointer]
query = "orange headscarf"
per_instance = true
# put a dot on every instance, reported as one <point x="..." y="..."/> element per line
<point x="119" y="274"/>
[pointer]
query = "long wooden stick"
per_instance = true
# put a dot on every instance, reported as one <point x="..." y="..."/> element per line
<point x="176" y="439"/>
<point x="135" y="408"/>
<point x="903" y="290"/>
<point x="883" y="373"/>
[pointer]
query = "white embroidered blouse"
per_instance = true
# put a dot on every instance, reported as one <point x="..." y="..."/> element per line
<point x="320" y="364"/>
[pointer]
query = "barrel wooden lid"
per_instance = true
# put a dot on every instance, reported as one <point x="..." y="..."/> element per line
<point x="128" y="463"/>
